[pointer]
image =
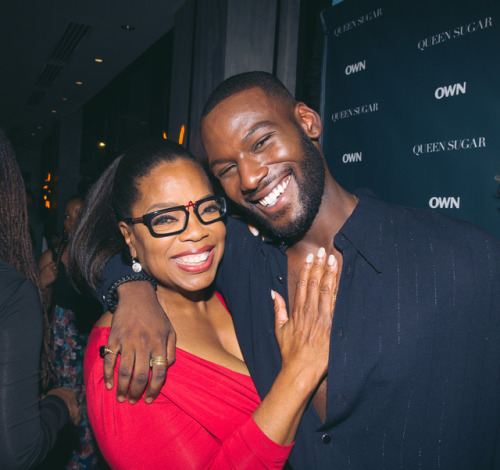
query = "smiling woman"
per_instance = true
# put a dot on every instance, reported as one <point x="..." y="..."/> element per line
<point x="155" y="203"/>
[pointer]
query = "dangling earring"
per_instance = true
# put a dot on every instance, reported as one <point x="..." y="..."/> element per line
<point x="136" y="266"/>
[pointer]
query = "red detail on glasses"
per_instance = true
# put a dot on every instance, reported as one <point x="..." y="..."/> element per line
<point x="191" y="204"/>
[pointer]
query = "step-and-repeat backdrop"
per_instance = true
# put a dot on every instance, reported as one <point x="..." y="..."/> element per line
<point x="411" y="103"/>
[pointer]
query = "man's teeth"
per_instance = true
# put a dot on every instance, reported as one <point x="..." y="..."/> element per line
<point x="273" y="196"/>
<point x="192" y="260"/>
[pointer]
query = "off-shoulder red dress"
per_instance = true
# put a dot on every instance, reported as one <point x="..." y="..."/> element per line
<point x="201" y="419"/>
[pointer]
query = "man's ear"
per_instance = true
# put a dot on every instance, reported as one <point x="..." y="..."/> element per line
<point x="309" y="120"/>
<point x="128" y="235"/>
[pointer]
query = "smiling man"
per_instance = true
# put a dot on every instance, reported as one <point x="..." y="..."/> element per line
<point x="414" y="368"/>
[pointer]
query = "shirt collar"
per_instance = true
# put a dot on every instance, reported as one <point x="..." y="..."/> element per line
<point x="363" y="229"/>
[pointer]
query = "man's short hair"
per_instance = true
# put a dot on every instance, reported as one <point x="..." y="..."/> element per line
<point x="268" y="83"/>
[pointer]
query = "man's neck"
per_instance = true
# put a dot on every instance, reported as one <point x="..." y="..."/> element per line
<point x="336" y="207"/>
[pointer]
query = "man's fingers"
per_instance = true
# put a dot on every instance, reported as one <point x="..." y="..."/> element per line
<point x="140" y="376"/>
<point x="156" y="381"/>
<point x="109" y="364"/>
<point x="159" y="371"/>
<point x="124" y="375"/>
<point x="171" y="342"/>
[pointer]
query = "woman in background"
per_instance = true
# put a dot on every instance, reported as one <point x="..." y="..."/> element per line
<point x="70" y="321"/>
<point x="28" y="426"/>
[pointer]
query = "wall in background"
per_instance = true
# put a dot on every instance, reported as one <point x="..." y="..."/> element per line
<point x="411" y="103"/>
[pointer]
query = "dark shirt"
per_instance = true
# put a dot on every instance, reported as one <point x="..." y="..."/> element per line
<point x="414" y="371"/>
<point x="28" y="429"/>
<point x="84" y="306"/>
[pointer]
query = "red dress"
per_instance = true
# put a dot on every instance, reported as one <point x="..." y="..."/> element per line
<point x="201" y="419"/>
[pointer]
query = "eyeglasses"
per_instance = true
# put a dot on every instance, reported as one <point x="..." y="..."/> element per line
<point x="174" y="220"/>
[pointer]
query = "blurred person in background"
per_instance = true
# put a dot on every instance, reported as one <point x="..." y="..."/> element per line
<point x="70" y="321"/>
<point x="28" y="425"/>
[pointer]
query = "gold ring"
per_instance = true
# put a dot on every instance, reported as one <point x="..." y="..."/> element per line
<point x="104" y="351"/>
<point x="158" y="361"/>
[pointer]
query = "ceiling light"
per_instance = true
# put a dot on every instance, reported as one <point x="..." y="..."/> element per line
<point x="54" y="111"/>
<point x="102" y="144"/>
<point x="100" y="61"/>
<point x="79" y="83"/>
<point x="39" y="128"/>
<point x="127" y="27"/>
<point x="64" y="98"/>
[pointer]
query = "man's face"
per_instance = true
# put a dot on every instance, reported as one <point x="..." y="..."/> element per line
<point x="265" y="162"/>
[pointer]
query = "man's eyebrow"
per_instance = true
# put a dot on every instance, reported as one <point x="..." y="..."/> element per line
<point x="215" y="163"/>
<point x="252" y="131"/>
<point x="255" y="128"/>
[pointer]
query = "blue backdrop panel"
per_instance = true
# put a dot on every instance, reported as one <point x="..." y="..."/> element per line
<point x="411" y="103"/>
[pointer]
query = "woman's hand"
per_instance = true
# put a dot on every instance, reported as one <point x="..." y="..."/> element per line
<point x="68" y="396"/>
<point x="48" y="274"/>
<point x="304" y="341"/>
<point x="304" y="337"/>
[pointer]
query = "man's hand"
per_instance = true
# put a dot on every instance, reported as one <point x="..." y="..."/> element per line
<point x="140" y="330"/>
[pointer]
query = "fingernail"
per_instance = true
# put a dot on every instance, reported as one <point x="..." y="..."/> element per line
<point x="120" y="399"/>
<point x="109" y="386"/>
<point x="273" y="296"/>
<point x="331" y="260"/>
<point x="321" y="252"/>
<point x="149" y="401"/>
<point x="309" y="258"/>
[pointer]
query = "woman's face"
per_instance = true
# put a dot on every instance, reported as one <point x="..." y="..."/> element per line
<point x="187" y="261"/>
<point x="72" y="212"/>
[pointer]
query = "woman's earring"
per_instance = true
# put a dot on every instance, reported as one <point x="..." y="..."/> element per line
<point x="136" y="266"/>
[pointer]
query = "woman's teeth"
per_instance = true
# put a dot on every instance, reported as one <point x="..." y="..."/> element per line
<point x="192" y="260"/>
<point x="272" y="197"/>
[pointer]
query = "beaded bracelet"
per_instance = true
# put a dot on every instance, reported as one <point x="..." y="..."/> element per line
<point x="111" y="300"/>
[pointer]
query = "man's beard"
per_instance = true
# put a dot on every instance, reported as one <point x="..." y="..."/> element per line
<point x="310" y="192"/>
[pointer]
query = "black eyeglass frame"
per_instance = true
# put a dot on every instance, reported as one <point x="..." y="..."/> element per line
<point x="146" y="219"/>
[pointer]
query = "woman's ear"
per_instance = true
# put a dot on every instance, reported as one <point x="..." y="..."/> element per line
<point x="309" y="120"/>
<point x="128" y="235"/>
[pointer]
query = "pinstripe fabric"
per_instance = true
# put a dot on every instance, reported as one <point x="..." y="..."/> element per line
<point x="414" y="375"/>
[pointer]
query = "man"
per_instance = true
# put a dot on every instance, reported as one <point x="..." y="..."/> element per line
<point x="414" y="368"/>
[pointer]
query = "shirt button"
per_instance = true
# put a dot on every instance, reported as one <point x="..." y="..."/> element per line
<point x="104" y="298"/>
<point x="280" y="279"/>
<point x="326" y="438"/>
<point x="340" y="334"/>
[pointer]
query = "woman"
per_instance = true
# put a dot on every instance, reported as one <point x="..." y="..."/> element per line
<point x="71" y="318"/>
<point x="157" y="203"/>
<point x="28" y="426"/>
